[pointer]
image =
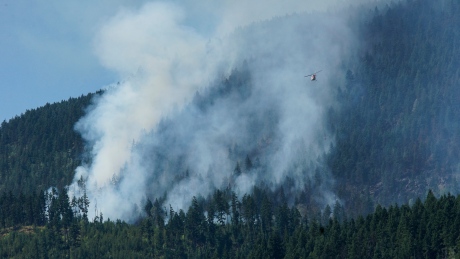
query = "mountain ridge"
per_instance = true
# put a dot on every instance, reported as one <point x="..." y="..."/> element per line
<point x="396" y="129"/>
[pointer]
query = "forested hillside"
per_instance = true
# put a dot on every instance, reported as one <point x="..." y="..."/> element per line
<point x="40" y="148"/>
<point x="399" y="132"/>
<point x="233" y="227"/>
<point x="397" y="136"/>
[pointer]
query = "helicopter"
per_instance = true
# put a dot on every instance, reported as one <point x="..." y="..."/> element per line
<point x="313" y="76"/>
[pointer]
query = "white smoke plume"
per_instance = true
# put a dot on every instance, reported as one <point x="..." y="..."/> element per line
<point x="166" y="128"/>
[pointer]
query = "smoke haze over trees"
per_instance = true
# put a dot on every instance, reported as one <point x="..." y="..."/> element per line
<point x="380" y="126"/>
<point x="196" y="105"/>
<point x="398" y="134"/>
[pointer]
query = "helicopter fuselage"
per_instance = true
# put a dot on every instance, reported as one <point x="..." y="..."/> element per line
<point x="313" y="76"/>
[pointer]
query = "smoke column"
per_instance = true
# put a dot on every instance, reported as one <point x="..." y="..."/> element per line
<point x="165" y="129"/>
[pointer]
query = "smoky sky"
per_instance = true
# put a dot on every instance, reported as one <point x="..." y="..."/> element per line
<point x="205" y="87"/>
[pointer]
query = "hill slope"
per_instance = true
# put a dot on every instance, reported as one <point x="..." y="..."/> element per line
<point x="399" y="134"/>
<point x="40" y="148"/>
<point x="397" y="129"/>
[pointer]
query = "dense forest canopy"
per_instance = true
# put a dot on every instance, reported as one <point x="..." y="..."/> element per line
<point x="399" y="133"/>
<point x="396" y="134"/>
<point x="252" y="226"/>
<point x="40" y="148"/>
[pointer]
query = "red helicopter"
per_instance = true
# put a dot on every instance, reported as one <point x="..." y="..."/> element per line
<point x="313" y="76"/>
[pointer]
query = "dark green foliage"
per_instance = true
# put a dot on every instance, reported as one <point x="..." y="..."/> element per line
<point x="396" y="125"/>
<point x="397" y="135"/>
<point x="195" y="224"/>
<point x="398" y="132"/>
<point x="426" y="229"/>
<point x="22" y="210"/>
<point x="40" y="148"/>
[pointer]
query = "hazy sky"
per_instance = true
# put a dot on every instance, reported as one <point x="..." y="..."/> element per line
<point x="46" y="51"/>
<point x="47" y="47"/>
